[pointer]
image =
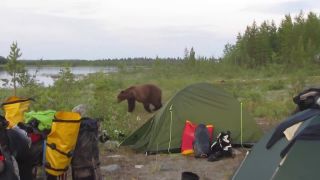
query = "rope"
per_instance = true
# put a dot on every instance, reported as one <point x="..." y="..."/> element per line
<point x="170" y="134"/>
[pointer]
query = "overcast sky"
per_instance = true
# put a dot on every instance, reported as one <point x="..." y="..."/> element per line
<point x="94" y="29"/>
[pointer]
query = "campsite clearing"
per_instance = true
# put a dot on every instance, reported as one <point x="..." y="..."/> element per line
<point x="138" y="166"/>
<point x="165" y="166"/>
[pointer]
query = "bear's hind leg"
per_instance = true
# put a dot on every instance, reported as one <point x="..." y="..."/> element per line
<point x="147" y="107"/>
<point x="157" y="106"/>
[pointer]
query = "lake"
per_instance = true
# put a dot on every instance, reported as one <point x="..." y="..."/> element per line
<point x="46" y="74"/>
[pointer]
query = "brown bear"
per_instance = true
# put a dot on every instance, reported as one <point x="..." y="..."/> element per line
<point x="146" y="94"/>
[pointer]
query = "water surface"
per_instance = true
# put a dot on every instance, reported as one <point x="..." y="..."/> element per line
<point x="46" y="74"/>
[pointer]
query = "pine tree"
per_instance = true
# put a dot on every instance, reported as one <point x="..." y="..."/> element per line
<point x="286" y="40"/>
<point x="312" y="35"/>
<point x="192" y="57"/>
<point x="14" y="67"/>
<point x="264" y="48"/>
<point x="186" y="54"/>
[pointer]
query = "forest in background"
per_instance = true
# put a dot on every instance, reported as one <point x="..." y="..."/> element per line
<point x="295" y="42"/>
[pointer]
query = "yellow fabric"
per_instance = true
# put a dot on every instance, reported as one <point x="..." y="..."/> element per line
<point x="187" y="152"/>
<point x="64" y="135"/>
<point x="14" y="109"/>
<point x="290" y="131"/>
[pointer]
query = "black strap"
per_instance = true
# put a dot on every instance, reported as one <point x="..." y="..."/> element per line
<point x="48" y="166"/>
<point x="66" y="121"/>
<point x="54" y="147"/>
<point x="17" y="101"/>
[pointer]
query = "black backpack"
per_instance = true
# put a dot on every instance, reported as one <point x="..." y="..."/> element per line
<point x="14" y="149"/>
<point x="201" y="144"/>
<point x="85" y="161"/>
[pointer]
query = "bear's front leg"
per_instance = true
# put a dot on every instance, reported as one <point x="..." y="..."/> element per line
<point x="147" y="107"/>
<point x="131" y="104"/>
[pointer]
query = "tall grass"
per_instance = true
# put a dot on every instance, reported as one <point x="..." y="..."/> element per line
<point x="266" y="92"/>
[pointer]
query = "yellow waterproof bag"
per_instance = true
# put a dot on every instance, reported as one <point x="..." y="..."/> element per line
<point x="61" y="142"/>
<point x="14" y="108"/>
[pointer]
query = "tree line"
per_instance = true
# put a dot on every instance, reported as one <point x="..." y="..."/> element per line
<point x="295" y="42"/>
<point x="189" y="58"/>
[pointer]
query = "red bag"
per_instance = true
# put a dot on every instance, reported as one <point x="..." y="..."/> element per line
<point x="1" y="158"/>
<point x="34" y="137"/>
<point x="188" y="137"/>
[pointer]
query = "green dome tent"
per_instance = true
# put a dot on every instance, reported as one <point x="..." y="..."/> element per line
<point x="199" y="103"/>
<point x="300" y="161"/>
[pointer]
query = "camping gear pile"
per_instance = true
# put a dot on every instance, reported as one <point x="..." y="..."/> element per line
<point x="289" y="151"/>
<point x="50" y="140"/>
<point x="197" y="141"/>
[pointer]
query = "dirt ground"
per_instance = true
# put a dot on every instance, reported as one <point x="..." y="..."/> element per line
<point x="165" y="166"/>
<point x="137" y="166"/>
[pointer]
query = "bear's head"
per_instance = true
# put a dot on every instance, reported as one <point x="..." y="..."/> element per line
<point x="125" y="94"/>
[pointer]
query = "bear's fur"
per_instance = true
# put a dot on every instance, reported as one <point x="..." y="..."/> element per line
<point x="146" y="94"/>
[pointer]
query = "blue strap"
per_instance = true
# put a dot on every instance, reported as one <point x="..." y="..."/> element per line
<point x="44" y="159"/>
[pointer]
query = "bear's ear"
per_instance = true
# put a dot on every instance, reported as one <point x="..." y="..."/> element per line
<point x="121" y="92"/>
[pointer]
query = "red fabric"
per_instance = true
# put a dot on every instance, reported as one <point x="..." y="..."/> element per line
<point x="1" y="158"/>
<point x="188" y="137"/>
<point x="34" y="137"/>
<point x="210" y="130"/>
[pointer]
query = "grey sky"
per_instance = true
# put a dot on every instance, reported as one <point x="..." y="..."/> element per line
<point x="93" y="29"/>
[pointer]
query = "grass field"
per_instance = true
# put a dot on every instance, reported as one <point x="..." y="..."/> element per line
<point x="266" y="92"/>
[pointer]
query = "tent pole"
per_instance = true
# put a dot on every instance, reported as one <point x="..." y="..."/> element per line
<point x="170" y="109"/>
<point x="241" y="126"/>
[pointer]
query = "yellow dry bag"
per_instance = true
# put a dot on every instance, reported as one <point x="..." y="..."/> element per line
<point x="61" y="142"/>
<point x="14" y="108"/>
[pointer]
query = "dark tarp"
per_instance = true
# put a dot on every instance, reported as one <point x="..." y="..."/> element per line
<point x="302" y="159"/>
<point x="302" y="162"/>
